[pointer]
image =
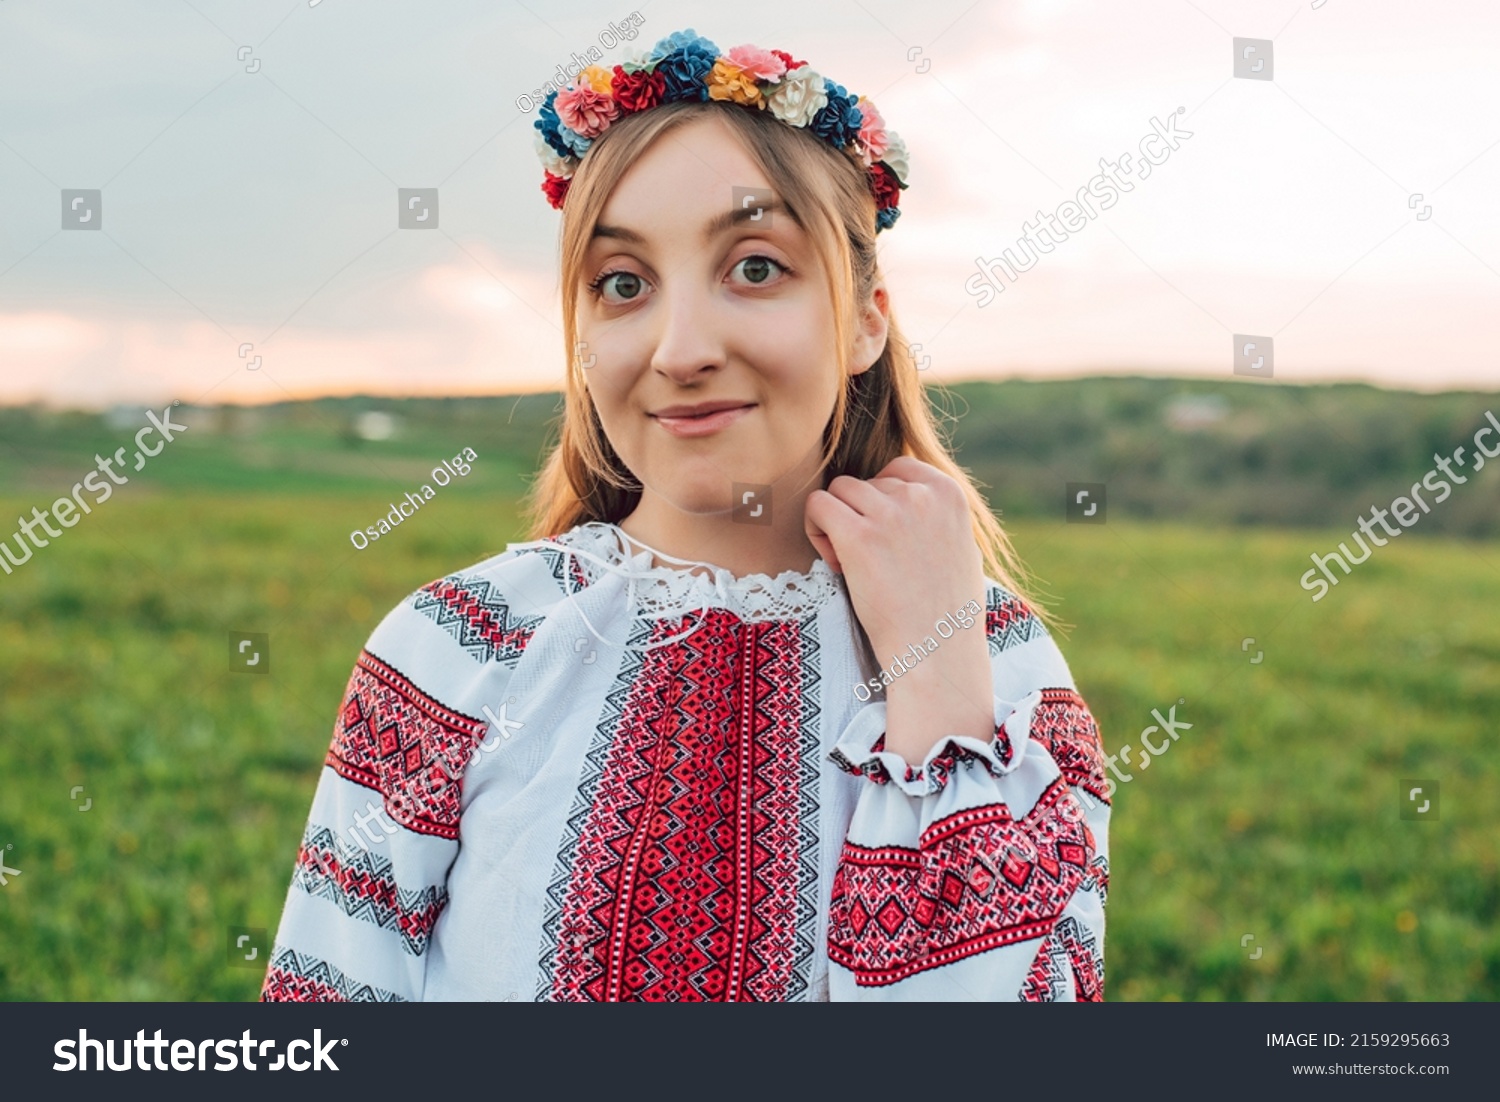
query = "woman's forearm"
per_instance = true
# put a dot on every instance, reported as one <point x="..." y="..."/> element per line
<point x="948" y="692"/>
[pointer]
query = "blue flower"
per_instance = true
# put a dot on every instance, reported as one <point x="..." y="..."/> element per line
<point x="838" y="122"/>
<point x="685" y="75"/>
<point x="689" y="40"/>
<point x="886" y="218"/>
<point x="550" y="126"/>
<point x="577" y="144"/>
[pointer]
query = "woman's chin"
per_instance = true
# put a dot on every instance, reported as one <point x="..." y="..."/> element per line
<point x="699" y="499"/>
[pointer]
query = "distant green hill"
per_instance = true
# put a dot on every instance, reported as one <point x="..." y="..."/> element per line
<point x="1221" y="452"/>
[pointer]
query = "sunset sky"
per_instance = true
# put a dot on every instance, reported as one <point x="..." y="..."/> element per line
<point x="260" y="207"/>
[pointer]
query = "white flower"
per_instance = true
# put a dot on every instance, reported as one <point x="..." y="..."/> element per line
<point x="798" y="97"/>
<point x="636" y="58"/>
<point x="552" y="161"/>
<point x="896" y="157"/>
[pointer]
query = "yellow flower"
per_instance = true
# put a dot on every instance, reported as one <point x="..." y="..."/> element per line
<point x="729" y="81"/>
<point x="599" y="78"/>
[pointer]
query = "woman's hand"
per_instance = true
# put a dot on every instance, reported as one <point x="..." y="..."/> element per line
<point x="904" y="541"/>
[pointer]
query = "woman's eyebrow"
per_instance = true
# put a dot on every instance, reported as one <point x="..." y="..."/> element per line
<point x="717" y="225"/>
<point x="620" y="232"/>
<point x="745" y="212"/>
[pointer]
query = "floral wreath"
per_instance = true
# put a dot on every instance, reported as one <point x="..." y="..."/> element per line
<point x="687" y="66"/>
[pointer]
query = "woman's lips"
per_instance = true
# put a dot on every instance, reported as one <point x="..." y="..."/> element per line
<point x="705" y="425"/>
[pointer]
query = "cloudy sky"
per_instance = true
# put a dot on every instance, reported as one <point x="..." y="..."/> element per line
<point x="248" y="155"/>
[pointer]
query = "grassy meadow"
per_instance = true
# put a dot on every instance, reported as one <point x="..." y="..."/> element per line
<point x="1275" y="815"/>
<point x="1262" y="856"/>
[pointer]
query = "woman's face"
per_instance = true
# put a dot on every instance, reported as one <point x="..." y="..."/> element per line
<point x="696" y="304"/>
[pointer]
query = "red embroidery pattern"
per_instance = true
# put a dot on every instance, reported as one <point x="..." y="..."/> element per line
<point x="1044" y="982"/>
<point x="1087" y="961"/>
<point x="579" y="580"/>
<point x="952" y="756"/>
<point x="1008" y="621"/>
<point x="1099" y="870"/>
<point x="1063" y="724"/>
<point x="1069" y="960"/>
<point x="980" y="880"/>
<point x="475" y="613"/>
<point x="363" y="884"/>
<point x="288" y="987"/>
<point x="396" y="739"/>
<point x="685" y="876"/>
<point x="294" y="978"/>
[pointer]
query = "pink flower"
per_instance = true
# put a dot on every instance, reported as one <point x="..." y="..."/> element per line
<point x="873" y="140"/>
<point x="760" y="64"/>
<point x="585" y="111"/>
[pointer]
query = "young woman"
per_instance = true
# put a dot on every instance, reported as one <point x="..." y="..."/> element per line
<point x="648" y="755"/>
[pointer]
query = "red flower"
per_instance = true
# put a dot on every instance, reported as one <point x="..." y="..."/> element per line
<point x="556" y="189"/>
<point x="886" y="187"/>
<point x="638" y="91"/>
<point x="786" y="57"/>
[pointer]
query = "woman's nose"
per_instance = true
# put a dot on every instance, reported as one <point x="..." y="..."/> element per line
<point x="688" y="341"/>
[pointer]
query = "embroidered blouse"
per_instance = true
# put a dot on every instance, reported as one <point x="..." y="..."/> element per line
<point x="568" y="774"/>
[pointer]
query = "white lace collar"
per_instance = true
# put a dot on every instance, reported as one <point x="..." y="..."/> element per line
<point x="669" y="591"/>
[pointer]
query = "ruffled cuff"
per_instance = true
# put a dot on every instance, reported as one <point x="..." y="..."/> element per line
<point x="861" y="750"/>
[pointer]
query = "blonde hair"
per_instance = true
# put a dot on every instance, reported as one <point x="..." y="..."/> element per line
<point x="878" y="415"/>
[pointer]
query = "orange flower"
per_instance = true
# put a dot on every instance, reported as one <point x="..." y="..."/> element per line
<point x="598" y="77"/>
<point x="729" y="81"/>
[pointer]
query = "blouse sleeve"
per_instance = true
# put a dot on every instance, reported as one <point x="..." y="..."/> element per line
<point x="982" y="874"/>
<point x="371" y="873"/>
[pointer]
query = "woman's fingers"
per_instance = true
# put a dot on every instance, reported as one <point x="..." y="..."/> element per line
<point x="910" y="469"/>
<point x="863" y="496"/>
<point x="818" y="515"/>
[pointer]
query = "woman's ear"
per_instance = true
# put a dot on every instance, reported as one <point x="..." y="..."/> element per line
<point x="872" y="330"/>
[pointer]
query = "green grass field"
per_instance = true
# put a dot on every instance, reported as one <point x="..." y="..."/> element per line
<point x="1276" y="815"/>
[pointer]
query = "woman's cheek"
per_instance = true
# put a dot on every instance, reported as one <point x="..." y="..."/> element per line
<point x="606" y="383"/>
<point x="614" y="418"/>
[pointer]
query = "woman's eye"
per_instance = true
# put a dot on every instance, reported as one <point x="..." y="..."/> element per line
<point x="758" y="269"/>
<point x="628" y="286"/>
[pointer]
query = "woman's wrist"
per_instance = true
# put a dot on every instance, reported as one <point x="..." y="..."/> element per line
<point x="949" y="692"/>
